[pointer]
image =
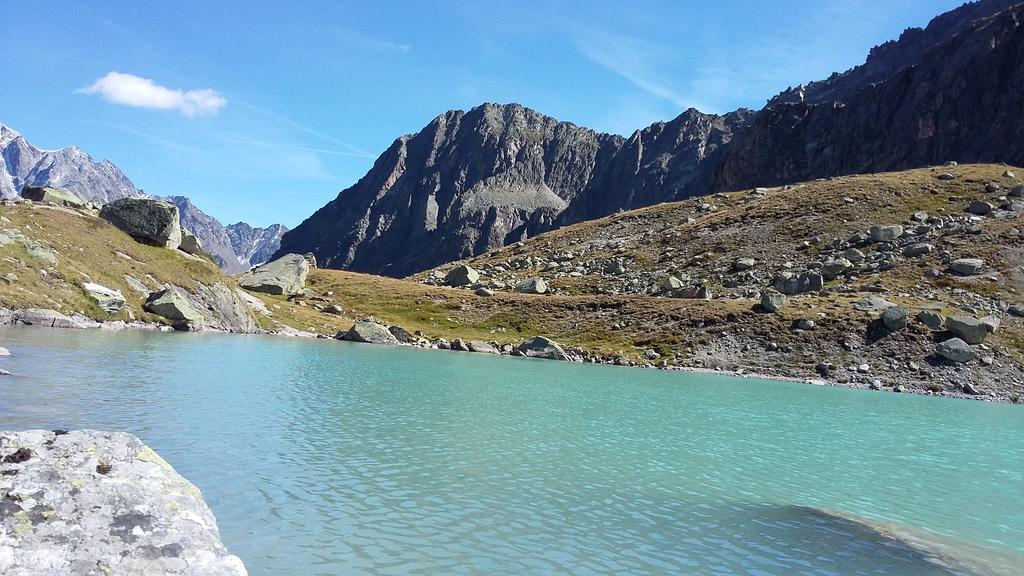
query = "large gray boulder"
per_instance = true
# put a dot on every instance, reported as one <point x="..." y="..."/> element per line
<point x="971" y="330"/>
<point x="190" y="243"/>
<point x="174" y="305"/>
<point x="368" y="332"/>
<point x="482" y="347"/>
<point x="966" y="266"/>
<point x="286" y="275"/>
<point x="90" y="502"/>
<point x="109" y="300"/>
<point x="955" y="350"/>
<point x="541" y="347"/>
<point x="885" y="233"/>
<point x="533" y="285"/>
<point x="55" y="196"/>
<point x="772" y="301"/>
<point x="792" y="284"/>
<point x="461" y="275"/>
<point x="894" y="318"/>
<point x="833" y="268"/>
<point x="932" y="320"/>
<point x="145" y="219"/>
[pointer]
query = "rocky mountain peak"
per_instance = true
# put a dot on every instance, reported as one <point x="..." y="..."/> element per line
<point x="887" y="59"/>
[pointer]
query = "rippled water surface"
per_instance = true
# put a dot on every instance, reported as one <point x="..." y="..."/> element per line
<point x="336" y="458"/>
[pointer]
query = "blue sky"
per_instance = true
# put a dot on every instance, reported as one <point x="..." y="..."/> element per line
<point x="263" y="111"/>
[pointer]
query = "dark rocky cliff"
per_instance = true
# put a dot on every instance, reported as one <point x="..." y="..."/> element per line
<point x="473" y="181"/>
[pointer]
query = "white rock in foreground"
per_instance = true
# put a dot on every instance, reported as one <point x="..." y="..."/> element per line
<point x="90" y="502"/>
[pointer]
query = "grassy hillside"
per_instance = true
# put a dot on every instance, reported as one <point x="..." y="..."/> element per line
<point x="53" y="250"/>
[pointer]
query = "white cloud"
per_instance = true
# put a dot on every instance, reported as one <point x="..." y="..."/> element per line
<point x="132" y="90"/>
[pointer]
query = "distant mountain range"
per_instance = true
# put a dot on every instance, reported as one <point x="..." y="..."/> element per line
<point x="22" y="164"/>
<point x="236" y="248"/>
<point x="473" y="181"/>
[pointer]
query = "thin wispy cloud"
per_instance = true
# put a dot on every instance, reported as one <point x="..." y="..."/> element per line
<point x="348" y="149"/>
<point x="635" y="61"/>
<point x="357" y="39"/>
<point x="138" y="92"/>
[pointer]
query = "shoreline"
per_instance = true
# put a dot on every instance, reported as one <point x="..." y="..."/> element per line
<point x="8" y="317"/>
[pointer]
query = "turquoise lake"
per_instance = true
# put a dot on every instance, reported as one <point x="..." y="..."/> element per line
<point x="324" y="457"/>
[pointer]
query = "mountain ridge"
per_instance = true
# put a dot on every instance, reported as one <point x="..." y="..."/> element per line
<point x="473" y="181"/>
<point x="23" y="164"/>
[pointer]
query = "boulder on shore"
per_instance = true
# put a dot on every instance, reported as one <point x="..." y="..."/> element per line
<point x="482" y="347"/>
<point x="145" y="219"/>
<point x="91" y="502"/>
<point x="55" y="196"/>
<point x="541" y="347"/>
<point x="368" y="332"/>
<point x="45" y="317"/>
<point x="955" y="350"/>
<point x="174" y="305"/>
<point x="285" y="276"/>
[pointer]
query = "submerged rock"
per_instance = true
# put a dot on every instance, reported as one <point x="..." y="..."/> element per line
<point x="90" y="502"/>
<point x="285" y="276"/>
<point x="145" y="219"/>
<point x="541" y="347"/>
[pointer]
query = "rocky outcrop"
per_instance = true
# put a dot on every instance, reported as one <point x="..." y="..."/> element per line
<point x="109" y="300"/>
<point x="473" y="181"/>
<point x="207" y="307"/>
<point x="86" y="502"/>
<point x="22" y="164"/>
<point x="254" y="246"/>
<point x="55" y="196"/>
<point x="286" y="275"/>
<point x="174" y="305"/>
<point x="145" y="219"/>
